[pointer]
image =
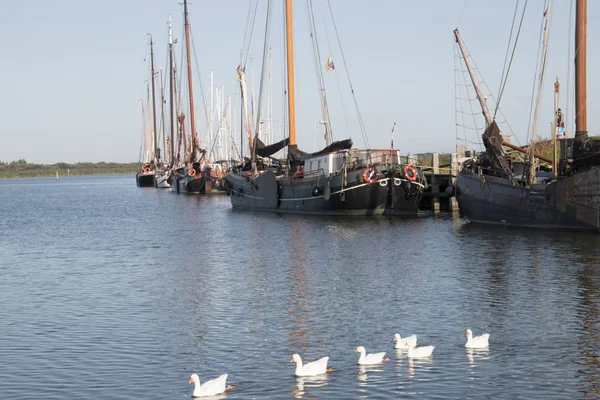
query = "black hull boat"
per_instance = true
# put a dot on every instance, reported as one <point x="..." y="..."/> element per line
<point x="190" y="180"/>
<point x="145" y="178"/>
<point x="569" y="203"/>
<point x="492" y="188"/>
<point x="379" y="190"/>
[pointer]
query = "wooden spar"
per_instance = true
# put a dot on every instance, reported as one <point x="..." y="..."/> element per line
<point x="171" y="86"/>
<point x="554" y="129"/>
<point x="290" y="71"/>
<point x="189" y="74"/>
<point x="580" y="68"/>
<point x="162" y="110"/>
<point x="155" y="149"/>
<point x="523" y="150"/>
<point x="480" y="97"/>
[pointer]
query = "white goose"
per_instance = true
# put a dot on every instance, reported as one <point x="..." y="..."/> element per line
<point x="369" y="359"/>
<point x="477" y="342"/>
<point x="419" y="352"/>
<point x="209" y="388"/>
<point x="401" y="342"/>
<point x="312" y="368"/>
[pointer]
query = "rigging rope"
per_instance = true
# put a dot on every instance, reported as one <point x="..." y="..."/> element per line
<point x="360" y="120"/>
<point x="461" y="13"/>
<point x="262" y="73"/>
<point x="248" y="34"/>
<point x="511" y="58"/>
<point x="337" y="80"/>
<point x="508" y="47"/>
<point x="569" y="62"/>
<point x="319" y="71"/>
<point x="535" y="73"/>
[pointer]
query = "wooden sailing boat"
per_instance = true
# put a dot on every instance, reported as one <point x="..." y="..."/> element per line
<point x="195" y="176"/>
<point x="337" y="180"/>
<point x="488" y="189"/>
<point x="145" y="176"/>
<point x="163" y="176"/>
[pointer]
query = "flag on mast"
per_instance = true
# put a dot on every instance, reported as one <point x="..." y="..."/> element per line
<point x="330" y="66"/>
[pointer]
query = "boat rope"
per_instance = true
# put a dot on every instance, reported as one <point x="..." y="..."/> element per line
<point x="512" y="28"/>
<point x="464" y="85"/>
<point x="503" y="85"/>
<point x="488" y="91"/>
<point x="537" y="65"/>
<point x="569" y="62"/>
<point x="461" y="13"/>
<point x="262" y="74"/>
<point x="310" y="16"/>
<point x="360" y="120"/>
<point x="541" y="62"/>
<point x="339" y="90"/>
<point x="248" y="31"/>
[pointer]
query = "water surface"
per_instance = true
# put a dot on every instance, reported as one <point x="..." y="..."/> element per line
<point x="109" y="291"/>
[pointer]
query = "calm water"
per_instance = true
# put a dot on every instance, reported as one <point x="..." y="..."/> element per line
<point x="109" y="291"/>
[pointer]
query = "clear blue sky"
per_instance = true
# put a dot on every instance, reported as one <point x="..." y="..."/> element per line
<point x="73" y="71"/>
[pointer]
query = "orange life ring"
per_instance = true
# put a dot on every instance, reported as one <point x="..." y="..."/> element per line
<point x="413" y="173"/>
<point x="368" y="175"/>
<point x="146" y="170"/>
<point x="191" y="172"/>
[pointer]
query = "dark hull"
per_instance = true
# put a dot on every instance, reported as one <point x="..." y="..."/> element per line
<point x="322" y="196"/>
<point x="570" y="203"/>
<point x="145" y="179"/>
<point x="188" y="185"/>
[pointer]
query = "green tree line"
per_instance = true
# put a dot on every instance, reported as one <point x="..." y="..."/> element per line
<point x="22" y="169"/>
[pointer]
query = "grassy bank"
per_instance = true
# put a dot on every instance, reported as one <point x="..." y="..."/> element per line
<point x="23" y="169"/>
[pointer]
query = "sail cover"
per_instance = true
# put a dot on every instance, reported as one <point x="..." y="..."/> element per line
<point x="263" y="150"/>
<point x="297" y="156"/>
<point x="492" y="139"/>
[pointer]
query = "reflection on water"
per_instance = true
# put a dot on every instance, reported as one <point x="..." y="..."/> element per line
<point x="306" y="386"/>
<point x="476" y="356"/>
<point x="135" y="293"/>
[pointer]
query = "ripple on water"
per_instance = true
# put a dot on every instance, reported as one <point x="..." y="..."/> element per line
<point x="127" y="298"/>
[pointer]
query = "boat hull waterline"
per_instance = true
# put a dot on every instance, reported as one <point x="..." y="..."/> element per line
<point x="570" y="203"/>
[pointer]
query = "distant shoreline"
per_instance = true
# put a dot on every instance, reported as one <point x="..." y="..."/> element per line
<point x="23" y="169"/>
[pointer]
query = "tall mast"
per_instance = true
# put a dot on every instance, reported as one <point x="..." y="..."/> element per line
<point x="155" y="149"/>
<point x="480" y="97"/>
<point x="580" y="68"/>
<point x="171" y="86"/>
<point x="162" y="110"/>
<point x="189" y="73"/>
<point x="290" y="71"/>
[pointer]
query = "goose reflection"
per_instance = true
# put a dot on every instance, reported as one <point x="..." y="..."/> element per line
<point x="416" y="364"/>
<point x="364" y="370"/>
<point x="305" y="383"/>
<point x="477" y="355"/>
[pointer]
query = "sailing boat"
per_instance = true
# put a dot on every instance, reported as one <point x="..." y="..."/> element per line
<point x="338" y="180"/>
<point x="164" y="171"/>
<point x="488" y="189"/>
<point x="145" y="176"/>
<point x="195" y="176"/>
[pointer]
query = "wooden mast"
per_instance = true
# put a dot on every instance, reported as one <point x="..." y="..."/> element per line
<point x="155" y="150"/>
<point x="580" y="68"/>
<point x="189" y="74"/>
<point x="290" y="71"/>
<point x="171" y="86"/>
<point x="480" y="97"/>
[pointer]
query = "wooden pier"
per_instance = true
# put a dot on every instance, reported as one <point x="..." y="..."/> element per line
<point x="439" y="178"/>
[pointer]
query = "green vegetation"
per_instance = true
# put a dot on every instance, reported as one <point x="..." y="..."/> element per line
<point x="426" y="159"/>
<point x="23" y="169"/>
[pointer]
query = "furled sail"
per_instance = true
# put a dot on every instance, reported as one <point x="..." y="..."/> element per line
<point x="263" y="150"/>
<point x="297" y="156"/>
